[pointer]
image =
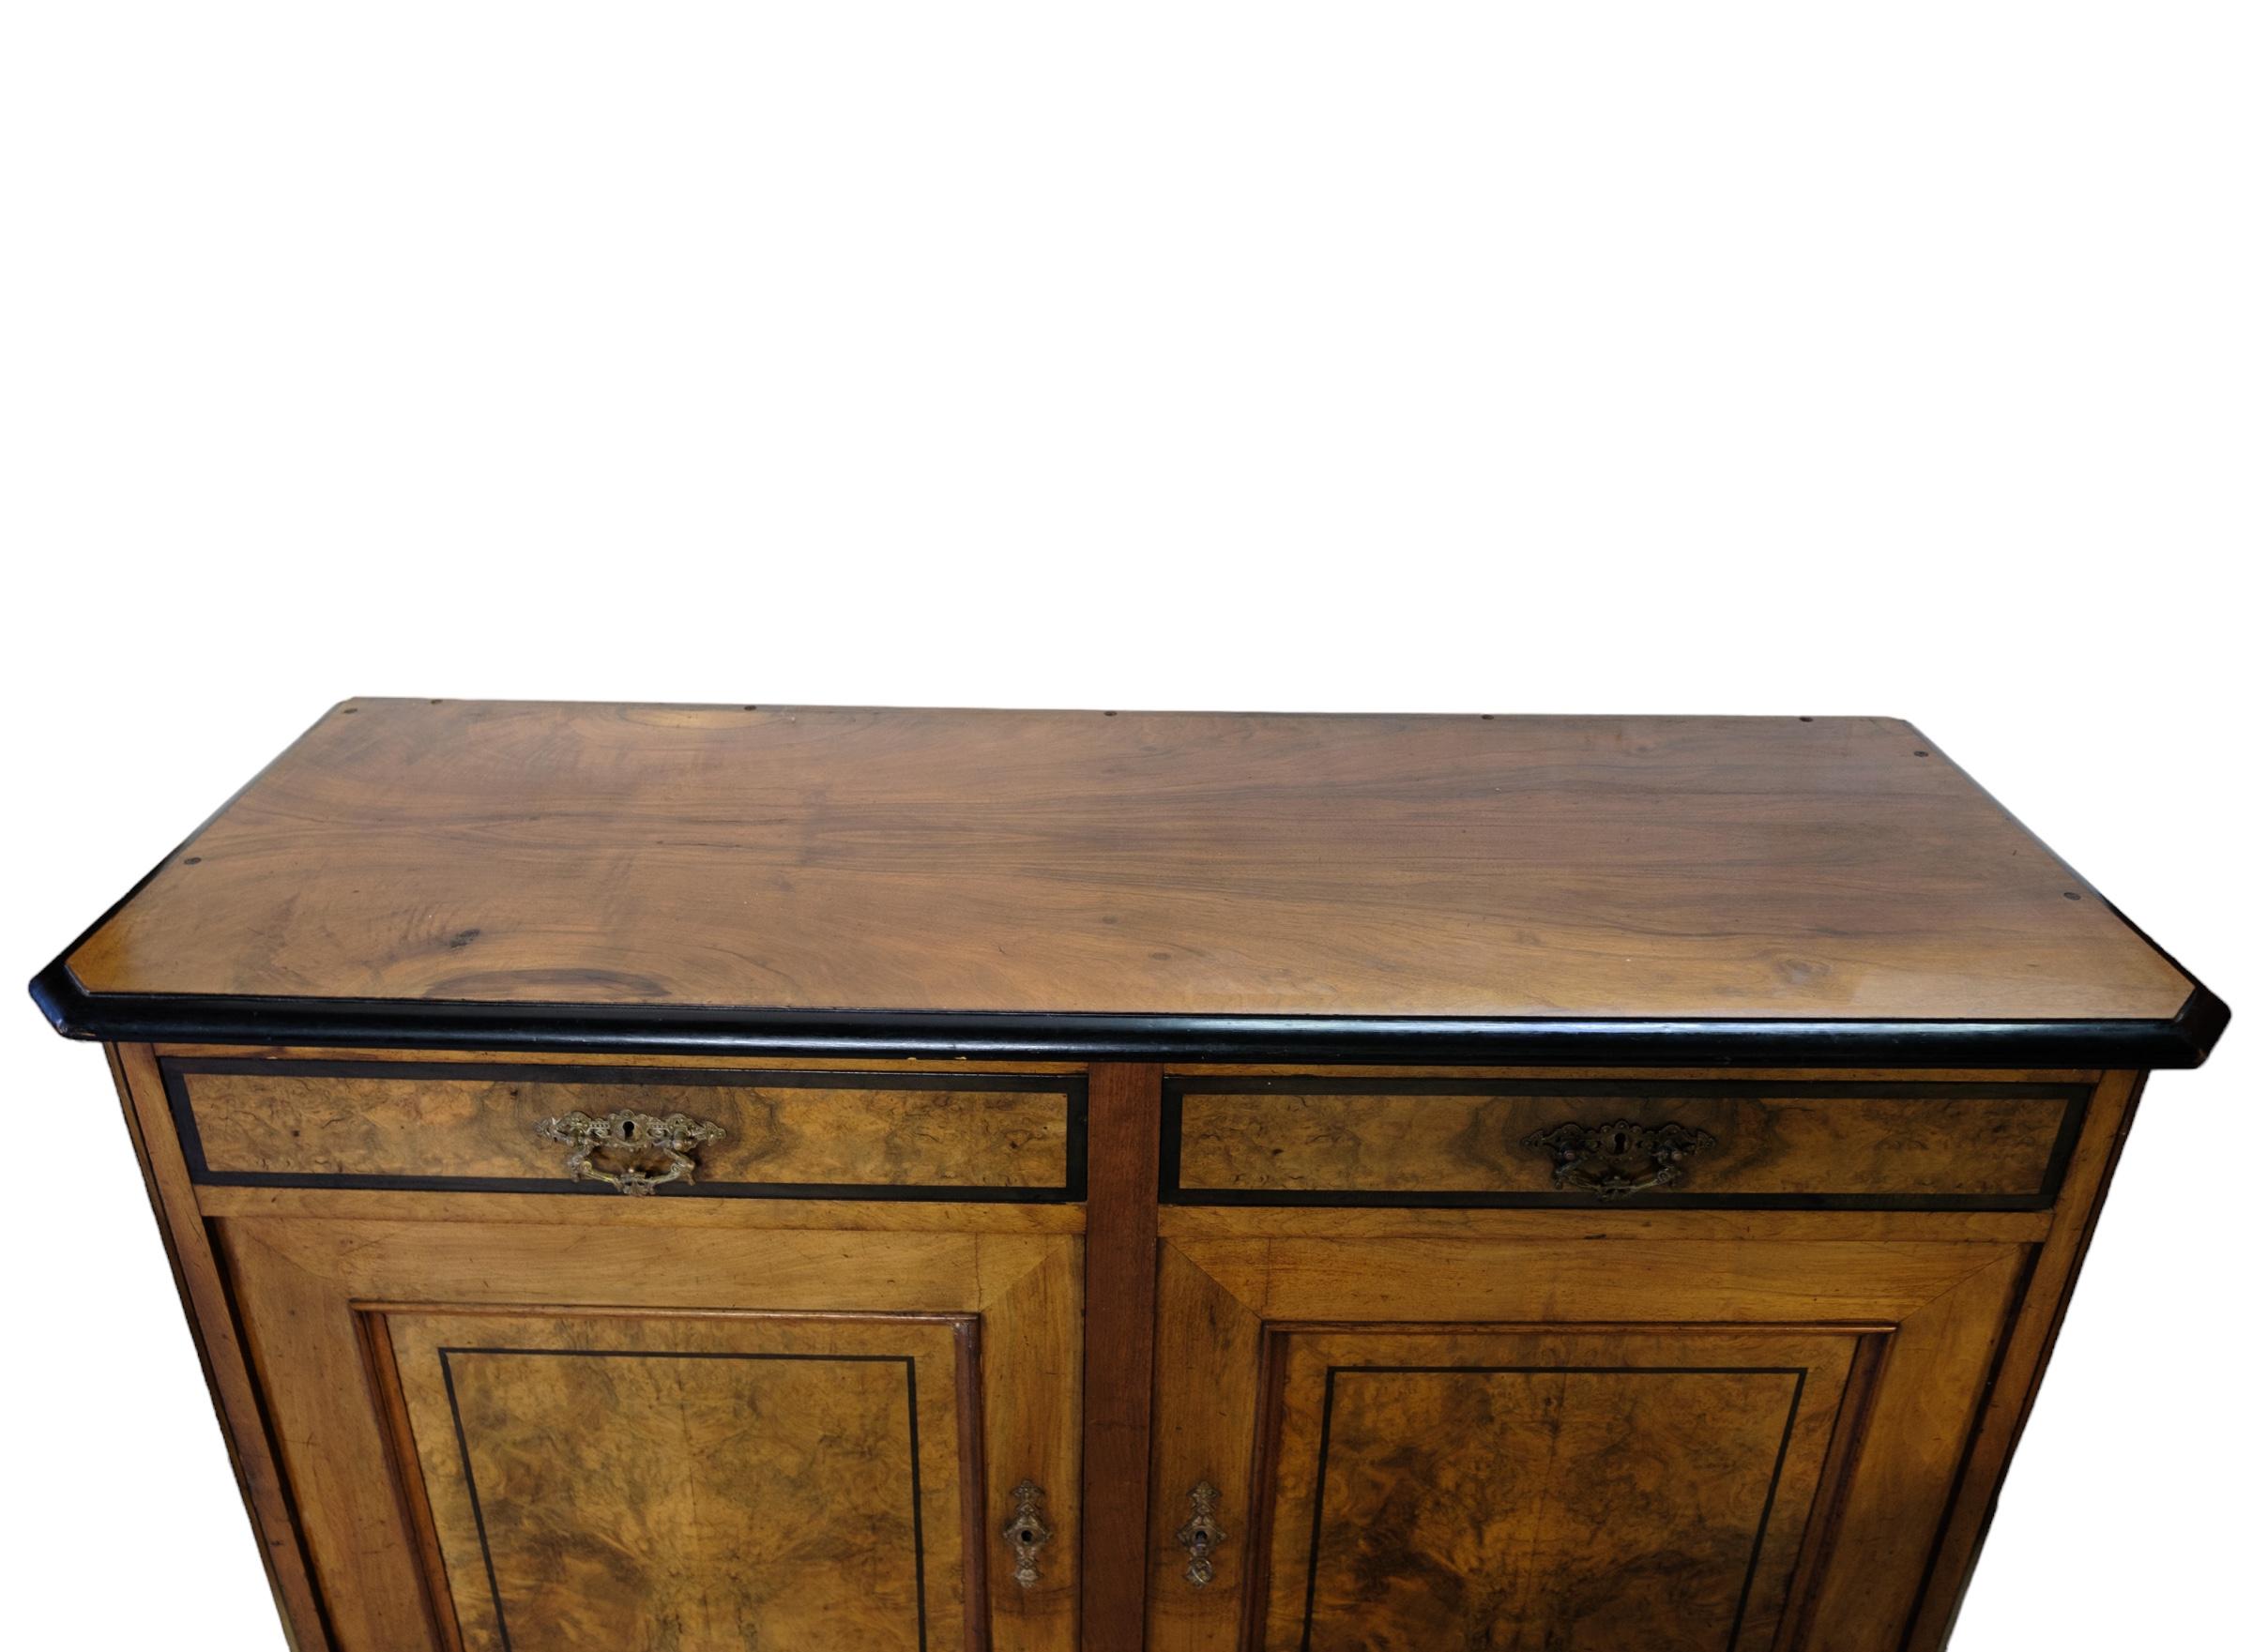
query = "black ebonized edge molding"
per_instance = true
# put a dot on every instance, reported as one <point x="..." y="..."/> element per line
<point x="687" y="1030"/>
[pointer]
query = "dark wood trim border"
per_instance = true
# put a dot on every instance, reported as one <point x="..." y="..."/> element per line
<point x="1170" y="1192"/>
<point x="1120" y="1355"/>
<point x="1071" y="1087"/>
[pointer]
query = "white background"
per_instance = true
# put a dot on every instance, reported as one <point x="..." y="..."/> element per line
<point x="1708" y="357"/>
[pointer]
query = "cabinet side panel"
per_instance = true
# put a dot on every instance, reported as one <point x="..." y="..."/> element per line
<point x="218" y="1345"/>
<point x="2033" y="1335"/>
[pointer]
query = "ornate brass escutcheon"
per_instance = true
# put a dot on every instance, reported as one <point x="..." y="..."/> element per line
<point x="1617" y="1159"/>
<point x="1202" y="1534"/>
<point x="1026" y="1531"/>
<point x="645" y="1151"/>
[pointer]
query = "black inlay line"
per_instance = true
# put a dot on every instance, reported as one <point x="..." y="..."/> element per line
<point x="183" y="1118"/>
<point x="1321" y="1487"/>
<point x="716" y="1078"/>
<point x="2067" y="1143"/>
<point x="1071" y="1087"/>
<point x="1767" y="1509"/>
<point x="857" y="1192"/>
<point x="922" y="1628"/>
<point x="1172" y="1126"/>
<point x="1328" y="1405"/>
<point x="477" y="1506"/>
<point x="1311" y="1084"/>
<point x="1335" y="1198"/>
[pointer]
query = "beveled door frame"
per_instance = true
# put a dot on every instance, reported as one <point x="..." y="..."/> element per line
<point x="1940" y="1307"/>
<point x="305" y="1285"/>
<point x="411" y="1451"/>
<point x="1848" y="1406"/>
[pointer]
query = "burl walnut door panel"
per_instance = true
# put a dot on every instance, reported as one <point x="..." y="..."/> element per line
<point x="627" y="1434"/>
<point x="1419" y="1444"/>
<point x="1607" y="1490"/>
<point x="646" y="1482"/>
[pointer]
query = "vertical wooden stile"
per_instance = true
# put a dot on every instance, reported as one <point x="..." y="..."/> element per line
<point x="1121" y="1316"/>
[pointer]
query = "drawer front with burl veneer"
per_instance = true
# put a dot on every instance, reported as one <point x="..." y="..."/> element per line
<point x="1780" y="1144"/>
<point x="497" y="1127"/>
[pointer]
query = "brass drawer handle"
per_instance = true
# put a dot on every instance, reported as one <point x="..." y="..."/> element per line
<point x="631" y="1141"/>
<point x="1026" y="1531"/>
<point x="1202" y="1534"/>
<point x="1617" y="1159"/>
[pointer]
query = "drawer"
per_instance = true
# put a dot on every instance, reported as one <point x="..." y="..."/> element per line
<point x="1485" y="1143"/>
<point x="497" y="1127"/>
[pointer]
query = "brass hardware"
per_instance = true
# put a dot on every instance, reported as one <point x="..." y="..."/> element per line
<point x="1202" y="1534"/>
<point x="635" y="1138"/>
<point x="1620" y="1158"/>
<point x="1026" y="1531"/>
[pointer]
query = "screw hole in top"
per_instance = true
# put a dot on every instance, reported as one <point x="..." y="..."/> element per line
<point x="2071" y="895"/>
<point x="1923" y="754"/>
<point x="1110" y="714"/>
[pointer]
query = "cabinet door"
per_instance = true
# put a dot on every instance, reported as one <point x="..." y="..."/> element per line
<point x="1417" y="1445"/>
<point x="1644" y="1489"/>
<point x="516" y="1437"/>
<point x="641" y="1480"/>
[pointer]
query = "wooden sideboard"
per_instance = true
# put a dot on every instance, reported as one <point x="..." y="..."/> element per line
<point x="665" y="1179"/>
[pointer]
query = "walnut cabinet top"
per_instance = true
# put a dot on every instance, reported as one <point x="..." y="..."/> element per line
<point x="1089" y="884"/>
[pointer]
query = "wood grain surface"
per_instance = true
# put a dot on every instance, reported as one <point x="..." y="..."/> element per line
<point x="2040" y="1318"/>
<point x="1939" y="1142"/>
<point x="1121" y="1312"/>
<point x="643" y="1484"/>
<point x="1157" y="863"/>
<point x="305" y="1297"/>
<point x="310" y="1291"/>
<point x="425" y="1123"/>
<point x="220" y="1345"/>
<point x="1472" y="1491"/>
<point x="1229" y="1309"/>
